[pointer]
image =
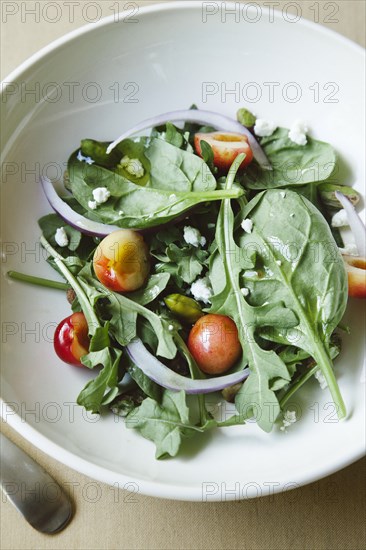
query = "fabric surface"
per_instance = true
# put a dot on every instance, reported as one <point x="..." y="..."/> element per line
<point x="329" y="514"/>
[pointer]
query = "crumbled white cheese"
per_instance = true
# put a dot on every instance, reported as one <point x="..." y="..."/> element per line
<point x="192" y="236"/>
<point x="264" y="128"/>
<point x="250" y="274"/>
<point x="321" y="379"/>
<point x="61" y="237"/>
<point x="247" y="225"/>
<point x="81" y="158"/>
<point x="350" y="249"/>
<point x="201" y="290"/>
<point x="92" y="205"/>
<point x="101" y="195"/>
<point x="133" y="166"/>
<point x="245" y="291"/>
<point x="340" y="219"/>
<point x="289" y="418"/>
<point x="297" y="133"/>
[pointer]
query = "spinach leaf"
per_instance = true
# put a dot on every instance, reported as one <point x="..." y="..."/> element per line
<point x="173" y="135"/>
<point x="174" y="170"/>
<point x="179" y="180"/>
<point x="165" y="424"/>
<point x="208" y="155"/>
<point x="50" y="223"/>
<point x="298" y="264"/>
<point x="292" y="164"/>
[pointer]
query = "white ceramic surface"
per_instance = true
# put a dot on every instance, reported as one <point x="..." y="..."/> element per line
<point x="164" y="62"/>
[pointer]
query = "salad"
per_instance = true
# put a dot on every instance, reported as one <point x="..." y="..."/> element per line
<point x="203" y="263"/>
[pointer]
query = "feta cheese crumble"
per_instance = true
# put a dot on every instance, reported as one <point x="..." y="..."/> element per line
<point x="201" y="290"/>
<point x="133" y="166"/>
<point x="289" y="418"/>
<point x="192" y="236"/>
<point x="264" y="128"/>
<point x="250" y="274"/>
<point x="81" y="158"/>
<point x="340" y="219"/>
<point x="244" y="291"/>
<point x="247" y="225"/>
<point x="92" y="205"/>
<point x="298" y="131"/>
<point x="101" y="195"/>
<point x="321" y="379"/>
<point x="61" y="237"/>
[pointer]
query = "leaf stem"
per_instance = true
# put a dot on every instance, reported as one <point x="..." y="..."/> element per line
<point x="39" y="281"/>
<point x="326" y="366"/>
<point x="92" y="319"/>
<point x="195" y="372"/>
<point x="297" y="385"/>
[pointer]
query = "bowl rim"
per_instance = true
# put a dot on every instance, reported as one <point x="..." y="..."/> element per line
<point x="171" y="5"/>
<point x="52" y="449"/>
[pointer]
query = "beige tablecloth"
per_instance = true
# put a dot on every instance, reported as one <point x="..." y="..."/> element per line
<point x="329" y="514"/>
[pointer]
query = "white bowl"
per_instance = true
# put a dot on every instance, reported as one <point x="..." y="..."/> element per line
<point x="175" y="55"/>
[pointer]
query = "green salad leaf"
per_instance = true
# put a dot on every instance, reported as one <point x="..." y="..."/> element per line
<point x="165" y="424"/>
<point x="293" y="164"/>
<point x="268" y="371"/>
<point x="297" y="263"/>
<point x="179" y="180"/>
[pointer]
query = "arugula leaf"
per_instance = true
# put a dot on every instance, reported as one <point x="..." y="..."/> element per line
<point x="165" y="424"/>
<point x="94" y="395"/>
<point x="179" y="180"/>
<point x="153" y="288"/>
<point x="183" y="262"/>
<point x="266" y="366"/>
<point x="299" y="264"/>
<point x="150" y="388"/>
<point x="292" y="164"/>
<point x="123" y="312"/>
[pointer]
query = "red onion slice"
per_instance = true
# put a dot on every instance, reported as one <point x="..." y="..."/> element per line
<point x="355" y="222"/>
<point x="165" y="377"/>
<point x="221" y="122"/>
<point x="79" y="222"/>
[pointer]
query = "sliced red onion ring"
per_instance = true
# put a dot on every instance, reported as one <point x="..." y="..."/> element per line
<point x="355" y="222"/>
<point x="221" y="122"/>
<point x="74" y="219"/>
<point x="169" y="379"/>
